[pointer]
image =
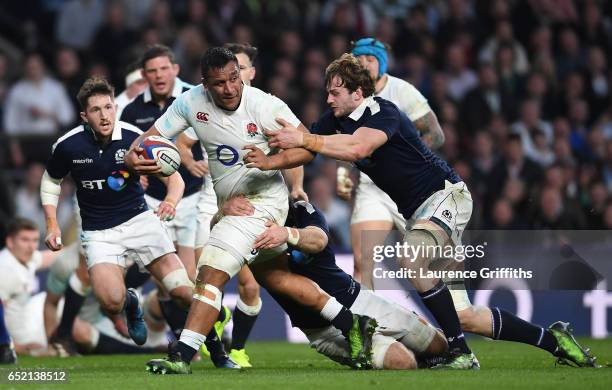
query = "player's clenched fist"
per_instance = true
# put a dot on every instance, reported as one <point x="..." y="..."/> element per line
<point x="53" y="240"/>
<point x="140" y="166"/>
<point x="166" y="210"/>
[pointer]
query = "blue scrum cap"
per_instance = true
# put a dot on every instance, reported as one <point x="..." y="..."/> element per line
<point x="372" y="47"/>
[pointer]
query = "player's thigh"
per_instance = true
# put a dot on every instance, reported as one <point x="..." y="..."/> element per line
<point x="146" y="239"/>
<point x="108" y="285"/>
<point x="365" y="235"/>
<point x="449" y="210"/>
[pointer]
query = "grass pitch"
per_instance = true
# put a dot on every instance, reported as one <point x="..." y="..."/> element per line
<point x="289" y="366"/>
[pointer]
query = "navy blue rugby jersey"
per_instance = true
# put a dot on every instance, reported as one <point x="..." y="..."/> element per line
<point x="142" y="112"/>
<point x="107" y="193"/>
<point x="403" y="167"/>
<point x="320" y="268"/>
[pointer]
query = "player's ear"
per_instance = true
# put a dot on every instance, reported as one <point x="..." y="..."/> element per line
<point x="176" y="68"/>
<point x="253" y="72"/>
<point x="83" y="116"/>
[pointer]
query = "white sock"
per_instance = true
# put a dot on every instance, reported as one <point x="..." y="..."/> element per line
<point x="248" y="310"/>
<point x="193" y="339"/>
<point x="331" y="309"/>
<point x="77" y="285"/>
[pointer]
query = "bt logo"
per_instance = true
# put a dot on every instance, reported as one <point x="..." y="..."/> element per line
<point x="116" y="181"/>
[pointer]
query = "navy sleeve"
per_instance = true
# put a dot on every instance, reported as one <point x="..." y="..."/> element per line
<point x="308" y="215"/>
<point x="58" y="165"/>
<point x="326" y="125"/>
<point x="126" y="115"/>
<point x="387" y="119"/>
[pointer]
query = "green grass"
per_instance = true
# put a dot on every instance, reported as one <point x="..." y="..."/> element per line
<point x="287" y="366"/>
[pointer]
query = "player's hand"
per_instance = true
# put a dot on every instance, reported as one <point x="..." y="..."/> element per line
<point x="238" y="206"/>
<point x="256" y="158"/>
<point x="197" y="168"/>
<point x="344" y="184"/>
<point x="53" y="240"/>
<point x="166" y="211"/>
<point x="139" y="164"/>
<point x="286" y="138"/>
<point x="298" y="193"/>
<point x="272" y="237"/>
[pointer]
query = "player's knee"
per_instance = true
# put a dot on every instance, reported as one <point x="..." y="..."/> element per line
<point x="182" y="295"/>
<point x="398" y="357"/>
<point x="112" y="301"/>
<point x="81" y="332"/>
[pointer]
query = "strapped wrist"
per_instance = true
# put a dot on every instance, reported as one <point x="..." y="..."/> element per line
<point x="293" y="236"/>
<point x="313" y="142"/>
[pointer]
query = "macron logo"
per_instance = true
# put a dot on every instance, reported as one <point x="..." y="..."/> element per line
<point x="83" y="161"/>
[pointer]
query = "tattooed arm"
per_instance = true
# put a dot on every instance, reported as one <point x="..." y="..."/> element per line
<point x="431" y="132"/>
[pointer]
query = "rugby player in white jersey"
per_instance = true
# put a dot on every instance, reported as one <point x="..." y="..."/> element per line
<point x="116" y="221"/>
<point x="229" y="119"/>
<point x="249" y="302"/>
<point x="22" y="310"/>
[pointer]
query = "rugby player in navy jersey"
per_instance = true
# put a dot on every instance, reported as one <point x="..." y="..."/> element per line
<point x="382" y="142"/>
<point x="402" y="335"/>
<point x="115" y="218"/>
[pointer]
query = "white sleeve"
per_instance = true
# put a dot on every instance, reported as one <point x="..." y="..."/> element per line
<point x="8" y="286"/>
<point x="412" y="102"/>
<point x="191" y="134"/>
<point x="50" y="190"/>
<point x="274" y="108"/>
<point x="174" y="120"/>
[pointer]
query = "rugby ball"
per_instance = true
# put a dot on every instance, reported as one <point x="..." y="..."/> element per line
<point x="163" y="151"/>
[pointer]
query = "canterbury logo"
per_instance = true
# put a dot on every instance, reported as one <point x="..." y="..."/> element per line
<point x="202" y="116"/>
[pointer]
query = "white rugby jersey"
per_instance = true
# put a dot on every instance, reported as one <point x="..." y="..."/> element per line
<point x="17" y="284"/>
<point x="407" y="98"/>
<point x="224" y="133"/>
<point x="207" y="188"/>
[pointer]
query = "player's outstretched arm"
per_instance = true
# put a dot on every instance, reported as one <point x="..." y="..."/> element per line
<point x="50" y="189"/>
<point x="346" y="147"/>
<point x="132" y="160"/>
<point x="430" y="130"/>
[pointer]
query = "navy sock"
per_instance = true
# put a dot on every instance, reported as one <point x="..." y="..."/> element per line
<point x="175" y="315"/>
<point x="187" y="353"/>
<point x="440" y="303"/>
<point x="134" y="278"/>
<point x="222" y="315"/>
<point x="4" y="334"/>
<point x="507" y="326"/>
<point x="214" y="345"/>
<point x="343" y="321"/>
<point x="72" y="305"/>
<point x="243" y="324"/>
<point x="131" y="303"/>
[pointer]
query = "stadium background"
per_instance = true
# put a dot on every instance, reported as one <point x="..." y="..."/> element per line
<point x="536" y="69"/>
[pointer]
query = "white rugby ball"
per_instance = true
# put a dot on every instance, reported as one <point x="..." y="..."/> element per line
<point x="163" y="151"/>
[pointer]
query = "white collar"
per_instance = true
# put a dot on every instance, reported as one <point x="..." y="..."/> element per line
<point x="116" y="132"/>
<point x="368" y="102"/>
<point x="176" y="91"/>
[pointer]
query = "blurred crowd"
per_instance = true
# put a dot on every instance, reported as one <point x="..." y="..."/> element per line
<point x="521" y="87"/>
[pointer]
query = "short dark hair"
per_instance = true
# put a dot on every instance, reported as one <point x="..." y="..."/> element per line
<point x="216" y="58"/>
<point x="237" y="48"/>
<point x="95" y="85"/>
<point x="352" y="73"/>
<point x="154" y="51"/>
<point x="19" y="224"/>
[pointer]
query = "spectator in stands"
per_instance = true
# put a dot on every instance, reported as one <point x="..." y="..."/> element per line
<point x="37" y="109"/>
